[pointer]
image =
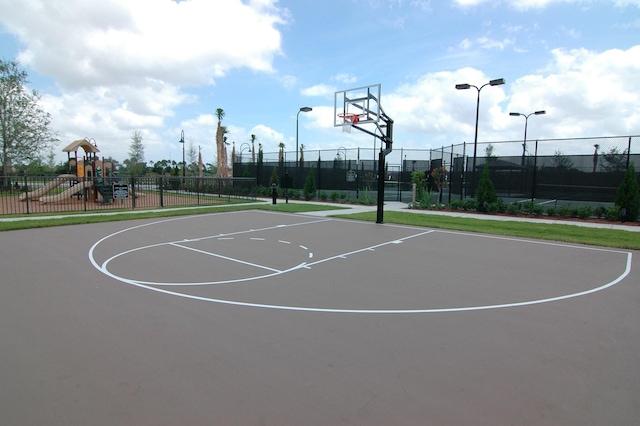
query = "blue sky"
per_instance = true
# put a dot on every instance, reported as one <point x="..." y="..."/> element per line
<point x="109" y="68"/>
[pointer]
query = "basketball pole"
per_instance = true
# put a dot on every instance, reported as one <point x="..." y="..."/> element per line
<point x="388" y="141"/>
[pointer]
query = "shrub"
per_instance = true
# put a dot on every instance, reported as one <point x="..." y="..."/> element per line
<point x="420" y="179"/>
<point x="527" y="206"/>
<point x="274" y="177"/>
<point x="628" y="195"/>
<point x="486" y="191"/>
<point x="367" y="199"/>
<point x="614" y="213"/>
<point x="455" y="204"/>
<point x="537" y="209"/>
<point x="334" y="195"/>
<point x="294" y="193"/>
<point x="310" y="185"/>
<point x="600" y="212"/>
<point x="323" y="195"/>
<point x="470" y="204"/>
<point x="585" y="212"/>
<point x="565" y="210"/>
<point x="551" y="211"/>
<point x="493" y="208"/>
<point x="514" y="208"/>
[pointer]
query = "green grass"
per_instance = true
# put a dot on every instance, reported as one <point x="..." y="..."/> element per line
<point x="27" y="222"/>
<point x="554" y="232"/>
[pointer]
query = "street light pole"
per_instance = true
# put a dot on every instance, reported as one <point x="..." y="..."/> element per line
<point x="465" y="86"/>
<point x="303" y="109"/>
<point x="182" y="142"/>
<point x="248" y="147"/>
<point x="526" y="121"/>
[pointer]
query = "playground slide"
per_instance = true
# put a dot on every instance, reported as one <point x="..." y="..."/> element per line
<point x="37" y="193"/>
<point x="67" y="193"/>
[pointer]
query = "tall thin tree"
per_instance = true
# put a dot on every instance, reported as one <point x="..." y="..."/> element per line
<point x="24" y="126"/>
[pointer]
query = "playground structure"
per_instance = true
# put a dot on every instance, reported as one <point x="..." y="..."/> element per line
<point x="87" y="176"/>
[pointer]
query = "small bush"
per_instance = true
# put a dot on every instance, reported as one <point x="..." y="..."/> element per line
<point x="367" y="199"/>
<point x="323" y="195"/>
<point x="455" y="204"/>
<point x="294" y="193"/>
<point x="514" y="208"/>
<point x="584" y="212"/>
<point x="486" y="190"/>
<point x="334" y="195"/>
<point x="551" y="211"/>
<point x="565" y="210"/>
<point x="600" y="212"/>
<point x="527" y="206"/>
<point x="493" y="208"/>
<point x="628" y="196"/>
<point x="614" y="213"/>
<point x="470" y="204"/>
<point x="310" y="185"/>
<point x="537" y="210"/>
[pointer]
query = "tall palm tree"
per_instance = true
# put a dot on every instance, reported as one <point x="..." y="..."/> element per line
<point x="253" y="148"/>
<point x="281" y="152"/>
<point x="220" y="146"/>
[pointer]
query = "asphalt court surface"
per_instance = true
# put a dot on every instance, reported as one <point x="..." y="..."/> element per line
<point x="284" y="261"/>
<point x="262" y="318"/>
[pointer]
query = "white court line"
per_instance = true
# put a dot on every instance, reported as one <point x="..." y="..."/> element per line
<point x="149" y="286"/>
<point x="388" y="311"/>
<point x="371" y="248"/>
<point x="231" y="259"/>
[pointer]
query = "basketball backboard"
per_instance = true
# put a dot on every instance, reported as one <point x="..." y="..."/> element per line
<point x="360" y="105"/>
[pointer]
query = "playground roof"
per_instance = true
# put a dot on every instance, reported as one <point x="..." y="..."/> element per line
<point x="81" y="143"/>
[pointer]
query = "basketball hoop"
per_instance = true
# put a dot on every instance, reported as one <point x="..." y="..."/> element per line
<point x="348" y="120"/>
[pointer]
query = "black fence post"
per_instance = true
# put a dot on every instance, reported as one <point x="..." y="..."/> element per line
<point x="26" y="192"/>
<point x="133" y="192"/>
<point x="161" y="190"/>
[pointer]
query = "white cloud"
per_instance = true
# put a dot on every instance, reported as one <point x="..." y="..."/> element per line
<point x="345" y="78"/>
<point x="319" y="90"/>
<point x="523" y="5"/>
<point x="120" y="64"/>
<point x="88" y="44"/>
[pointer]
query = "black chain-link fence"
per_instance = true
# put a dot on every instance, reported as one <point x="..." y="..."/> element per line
<point x="67" y="193"/>
<point x="543" y="172"/>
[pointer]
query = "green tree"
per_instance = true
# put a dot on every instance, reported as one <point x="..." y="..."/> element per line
<point x="310" y="185"/>
<point x="614" y="160"/>
<point x="419" y="177"/>
<point x="274" y="177"/>
<point x="24" y="126"/>
<point x="628" y="195"/>
<point x="136" y="164"/>
<point x="486" y="191"/>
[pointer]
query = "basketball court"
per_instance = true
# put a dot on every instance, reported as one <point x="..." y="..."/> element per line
<point x="268" y="318"/>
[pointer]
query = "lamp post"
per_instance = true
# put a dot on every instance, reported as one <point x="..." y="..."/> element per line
<point x="526" y="121"/>
<point x="465" y="86"/>
<point x="248" y="147"/>
<point x="303" y="109"/>
<point x="345" y="155"/>
<point x="182" y="142"/>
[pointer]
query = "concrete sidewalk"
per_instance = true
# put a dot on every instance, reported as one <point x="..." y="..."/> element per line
<point x="398" y="206"/>
<point x="358" y="208"/>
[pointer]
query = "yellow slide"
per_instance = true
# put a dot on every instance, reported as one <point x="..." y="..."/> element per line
<point x="37" y="193"/>
<point x="67" y="193"/>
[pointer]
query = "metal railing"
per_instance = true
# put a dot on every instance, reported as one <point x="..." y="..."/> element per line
<point x="66" y="193"/>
